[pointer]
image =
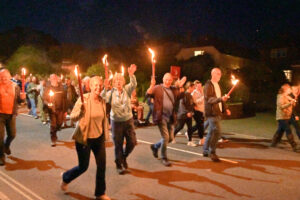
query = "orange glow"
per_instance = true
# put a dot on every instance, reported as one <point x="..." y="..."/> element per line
<point x="234" y="81"/>
<point x="23" y="71"/>
<point x="123" y="71"/>
<point x="111" y="76"/>
<point x="152" y="54"/>
<point x="61" y="77"/>
<point x="104" y="60"/>
<point x="51" y="93"/>
<point x="76" y="70"/>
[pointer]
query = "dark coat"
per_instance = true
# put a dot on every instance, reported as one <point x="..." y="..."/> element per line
<point x="158" y="95"/>
<point x="211" y="107"/>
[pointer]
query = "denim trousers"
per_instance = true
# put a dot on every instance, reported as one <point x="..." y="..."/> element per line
<point x="121" y="131"/>
<point x="167" y="135"/>
<point x="8" y="122"/>
<point x="295" y="124"/>
<point x="33" y="107"/>
<point x="149" y="112"/>
<point x="213" y="135"/>
<point x="283" y="126"/>
<point x="97" y="145"/>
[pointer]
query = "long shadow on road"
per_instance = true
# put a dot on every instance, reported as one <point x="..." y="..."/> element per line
<point x="20" y="164"/>
<point x="167" y="177"/>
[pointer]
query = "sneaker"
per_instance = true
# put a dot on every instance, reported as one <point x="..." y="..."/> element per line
<point x="53" y="143"/>
<point x="2" y="161"/>
<point x="186" y="135"/>
<point x="223" y="140"/>
<point x="44" y="123"/>
<point x="165" y="162"/>
<point x="179" y="133"/>
<point x="103" y="197"/>
<point x="36" y="117"/>
<point x="191" y="143"/>
<point x="120" y="169"/>
<point x="173" y="141"/>
<point x="154" y="151"/>
<point x="205" y="154"/>
<point x="201" y="142"/>
<point x="63" y="185"/>
<point x="7" y="150"/>
<point x="214" y="157"/>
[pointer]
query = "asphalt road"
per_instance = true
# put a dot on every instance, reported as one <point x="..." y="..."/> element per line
<point x="249" y="169"/>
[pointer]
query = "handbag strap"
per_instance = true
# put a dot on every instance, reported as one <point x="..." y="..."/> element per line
<point x="168" y="95"/>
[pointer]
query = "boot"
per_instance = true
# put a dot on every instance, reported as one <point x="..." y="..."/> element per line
<point x="276" y="139"/>
<point x="292" y="142"/>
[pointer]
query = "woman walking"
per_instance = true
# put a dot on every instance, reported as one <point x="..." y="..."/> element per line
<point x="90" y="135"/>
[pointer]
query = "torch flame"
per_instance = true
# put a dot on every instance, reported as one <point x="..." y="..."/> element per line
<point x="76" y="70"/>
<point x="23" y="71"/>
<point x="234" y="81"/>
<point x="123" y="71"/>
<point x="111" y="76"/>
<point x="61" y="76"/>
<point x="51" y="93"/>
<point x="104" y="60"/>
<point x="152" y="53"/>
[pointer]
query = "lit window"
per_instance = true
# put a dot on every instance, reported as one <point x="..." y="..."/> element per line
<point x="288" y="75"/>
<point x="199" y="53"/>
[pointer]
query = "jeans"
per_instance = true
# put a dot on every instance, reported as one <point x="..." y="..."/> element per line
<point x="33" y="107"/>
<point x="294" y="123"/>
<point x="214" y="132"/>
<point x="180" y="124"/>
<point x="56" y="120"/>
<point x="8" y="122"/>
<point x="283" y="126"/>
<point x="199" y="119"/>
<point x="121" y="131"/>
<point x="97" y="145"/>
<point x="167" y="135"/>
<point x="149" y="112"/>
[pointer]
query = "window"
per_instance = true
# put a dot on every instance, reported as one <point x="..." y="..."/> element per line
<point x="198" y="53"/>
<point x="278" y="53"/>
<point x="288" y="75"/>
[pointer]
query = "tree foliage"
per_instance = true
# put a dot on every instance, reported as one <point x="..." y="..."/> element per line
<point x="34" y="60"/>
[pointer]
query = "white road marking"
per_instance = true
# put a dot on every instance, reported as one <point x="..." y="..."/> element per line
<point x="20" y="185"/>
<point x="15" y="188"/>
<point x="190" y="152"/>
<point x="176" y="149"/>
<point x="3" y="196"/>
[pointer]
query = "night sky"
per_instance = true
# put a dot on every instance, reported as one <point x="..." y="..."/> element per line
<point x="103" y="23"/>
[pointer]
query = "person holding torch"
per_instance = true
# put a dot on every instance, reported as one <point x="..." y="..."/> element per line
<point x="121" y="116"/>
<point x="214" y="107"/>
<point x="55" y="101"/>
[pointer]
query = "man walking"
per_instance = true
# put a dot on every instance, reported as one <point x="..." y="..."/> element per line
<point x="165" y="96"/>
<point x="9" y="97"/>
<point x="56" y="106"/>
<point x="214" y="105"/>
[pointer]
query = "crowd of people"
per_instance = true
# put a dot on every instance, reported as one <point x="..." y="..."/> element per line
<point x="113" y="104"/>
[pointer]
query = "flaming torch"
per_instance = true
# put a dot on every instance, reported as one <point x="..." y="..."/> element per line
<point x="23" y="79"/>
<point x="123" y="71"/>
<point x="51" y="94"/>
<point x="105" y="62"/>
<point x="76" y="70"/>
<point x="153" y="62"/>
<point x="111" y="76"/>
<point x="61" y="76"/>
<point x="234" y="82"/>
